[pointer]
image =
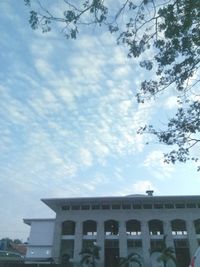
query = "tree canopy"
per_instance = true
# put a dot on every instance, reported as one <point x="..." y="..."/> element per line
<point x="164" y="35"/>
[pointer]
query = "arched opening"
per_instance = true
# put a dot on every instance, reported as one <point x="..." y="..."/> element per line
<point x="111" y="227"/>
<point x="68" y="228"/>
<point x="197" y="226"/>
<point x="89" y="228"/>
<point x="178" y="227"/>
<point x="133" y="227"/>
<point x="156" y="227"/>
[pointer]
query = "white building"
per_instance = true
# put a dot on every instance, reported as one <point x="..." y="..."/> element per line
<point x="119" y="225"/>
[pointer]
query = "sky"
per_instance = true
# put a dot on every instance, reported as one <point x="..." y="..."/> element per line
<point x="69" y="121"/>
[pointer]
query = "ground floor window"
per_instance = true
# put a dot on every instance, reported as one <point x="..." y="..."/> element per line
<point x="182" y="252"/>
<point x="66" y="252"/>
<point x="111" y="253"/>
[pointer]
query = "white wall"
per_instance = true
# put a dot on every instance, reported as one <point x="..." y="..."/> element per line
<point x="40" y="239"/>
<point x="41" y="233"/>
<point x="38" y="252"/>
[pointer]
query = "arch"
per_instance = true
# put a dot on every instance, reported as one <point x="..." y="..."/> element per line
<point x="133" y="227"/>
<point x="68" y="228"/>
<point x="178" y="227"/>
<point x="111" y="227"/>
<point x="89" y="227"/>
<point x="197" y="226"/>
<point x="155" y="227"/>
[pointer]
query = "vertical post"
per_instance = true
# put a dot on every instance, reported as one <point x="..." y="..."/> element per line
<point x="100" y="241"/>
<point x="168" y="233"/>
<point x="122" y="239"/>
<point x="78" y="243"/>
<point x="57" y="241"/>
<point x="192" y="239"/>
<point x="146" y="243"/>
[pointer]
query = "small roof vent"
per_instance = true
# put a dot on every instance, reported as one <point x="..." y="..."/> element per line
<point x="149" y="193"/>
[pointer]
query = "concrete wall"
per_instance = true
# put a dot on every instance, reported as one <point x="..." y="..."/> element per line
<point x="41" y="239"/>
<point x="100" y="216"/>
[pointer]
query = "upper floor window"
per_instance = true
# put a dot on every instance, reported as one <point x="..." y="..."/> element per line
<point x="133" y="227"/>
<point x="68" y="228"/>
<point x="156" y="227"/>
<point x="89" y="227"/>
<point x="111" y="227"/>
<point x="178" y="227"/>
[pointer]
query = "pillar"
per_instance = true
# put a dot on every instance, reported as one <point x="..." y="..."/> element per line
<point x="192" y="239"/>
<point x="78" y="243"/>
<point x="57" y="241"/>
<point x="146" y="243"/>
<point x="168" y="233"/>
<point x="122" y="239"/>
<point x="100" y="242"/>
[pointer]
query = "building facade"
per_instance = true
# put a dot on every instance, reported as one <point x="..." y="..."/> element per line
<point x="119" y="225"/>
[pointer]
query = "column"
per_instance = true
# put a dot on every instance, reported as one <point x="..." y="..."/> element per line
<point x="168" y="233"/>
<point x="192" y="239"/>
<point x="57" y="241"/>
<point x="78" y="243"/>
<point x="100" y="242"/>
<point x="122" y="239"/>
<point x="146" y="243"/>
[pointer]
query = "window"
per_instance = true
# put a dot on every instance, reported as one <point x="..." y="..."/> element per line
<point x="105" y="207"/>
<point x="85" y="207"/>
<point x="111" y="244"/>
<point x="191" y="205"/>
<point x="180" y="205"/>
<point x="137" y="206"/>
<point x="68" y="228"/>
<point x="197" y="226"/>
<point x="169" y="206"/>
<point x="116" y="206"/>
<point x="147" y="206"/>
<point x="89" y="227"/>
<point x="155" y="227"/>
<point x="75" y="207"/>
<point x="134" y="243"/>
<point x="111" y="227"/>
<point x="158" y="206"/>
<point x="156" y="244"/>
<point x="96" y="207"/>
<point x="126" y="206"/>
<point x="133" y="227"/>
<point x="178" y="227"/>
<point x="65" y="207"/>
<point x="67" y="250"/>
<point x="181" y="243"/>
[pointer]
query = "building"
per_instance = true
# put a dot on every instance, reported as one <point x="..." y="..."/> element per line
<point x="119" y="225"/>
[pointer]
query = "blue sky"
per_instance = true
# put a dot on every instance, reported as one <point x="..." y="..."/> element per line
<point x="68" y="122"/>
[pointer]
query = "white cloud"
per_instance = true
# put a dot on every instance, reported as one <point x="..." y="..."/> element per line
<point x="171" y="102"/>
<point x="40" y="48"/>
<point x="67" y="96"/>
<point x="44" y="68"/>
<point x="86" y="157"/>
<point x="154" y="162"/>
<point x="139" y="187"/>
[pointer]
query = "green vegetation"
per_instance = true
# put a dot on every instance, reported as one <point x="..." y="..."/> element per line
<point x="90" y="255"/>
<point x="165" y="253"/>
<point x="131" y="258"/>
